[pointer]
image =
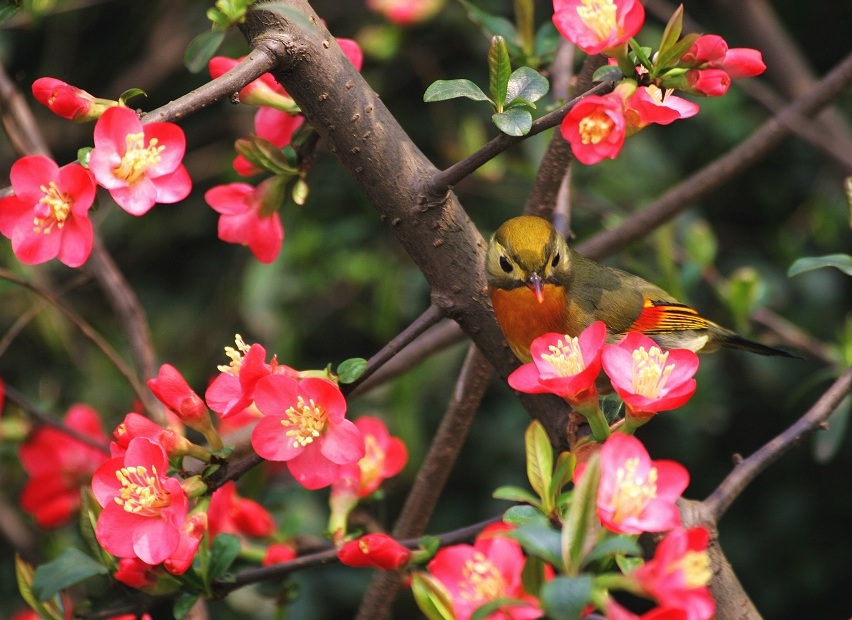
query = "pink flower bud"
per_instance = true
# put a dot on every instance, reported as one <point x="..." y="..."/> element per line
<point x="174" y="392"/>
<point x="707" y="82"/>
<point x="708" y="50"/>
<point x="65" y="100"/>
<point x="277" y="553"/>
<point x="376" y="550"/>
<point x="743" y="62"/>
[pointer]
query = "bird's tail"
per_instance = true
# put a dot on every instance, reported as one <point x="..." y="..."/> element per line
<point x="735" y="341"/>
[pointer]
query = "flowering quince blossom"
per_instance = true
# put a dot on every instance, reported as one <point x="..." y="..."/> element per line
<point x="384" y="458"/>
<point x="405" y="12"/>
<point x="137" y="574"/>
<point x="264" y="91"/>
<point x="614" y="611"/>
<point x="249" y="216"/>
<point x="711" y="51"/>
<point x="637" y="494"/>
<point x="136" y="425"/>
<point x="595" y="128"/>
<point x="488" y="570"/>
<point x="278" y="553"/>
<point x="68" y="101"/>
<point x="48" y="215"/>
<point x="139" y="164"/>
<point x="563" y="365"/>
<point x="304" y="425"/>
<point x="143" y="509"/>
<point x="648" y="379"/>
<point x="650" y="104"/>
<point x="276" y="127"/>
<point x="678" y="574"/>
<point x="174" y="392"/>
<point x="375" y="550"/>
<point x="229" y="513"/>
<point x="59" y="465"/>
<point x="598" y="25"/>
<point x="191" y="533"/>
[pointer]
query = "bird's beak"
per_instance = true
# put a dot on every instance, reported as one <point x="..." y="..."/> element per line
<point x="536" y="285"/>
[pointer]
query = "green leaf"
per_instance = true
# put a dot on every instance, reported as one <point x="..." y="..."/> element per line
<point x="628" y="564"/>
<point x="513" y="122"/>
<point x="183" y="604"/>
<point x="291" y="14"/>
<point x="672" y="31"/>
<point x="562" y="475"/>
<point x="442" y="90"/>
<point x="843" y="262"/>
<point x="8" y="12"/>
<point x="613" y="546"/>
<point x="527" y="84"/>
<point x="223" y="552"/>
<point x="641" y="54"/>
<point x="265" y="155"/>
<point x="580" y="526"/>
<point x="539" y="455"/>
<point x="744" y="289"/>
<point x="431" y="597"/>
<point x="83" y="156"/>
<point x="607" y="73"/>
<point x="532" y="575"/>
<point x="493" y="25"/>
<point x="24" y="575"/>
<point x="540" y="539"/>
<point x="700" y="244"/>
<point x="300" y="192"/>
<point x="547" y="41"/>
<point x="201" y="49"/>
<point x="674" y="53"/>
<point x="70" y="567"/>
<point x="349" y="370"/>
<point x="564" y="598"/>
<point x="130" y="93"/>
<point x="515" y="494"/>
<point x="487" y="609"/>
<point x="518" y="515"/>
<point x="499" y="70"/>
<point x="525" y="20"/>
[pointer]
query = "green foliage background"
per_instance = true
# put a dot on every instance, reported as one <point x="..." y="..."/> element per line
<point x="342" y="287"/>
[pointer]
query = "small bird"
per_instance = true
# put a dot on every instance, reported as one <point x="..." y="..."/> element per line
<point x="538" y="285"/>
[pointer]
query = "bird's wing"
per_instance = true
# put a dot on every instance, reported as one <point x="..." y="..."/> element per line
<point x="664" y="316"/>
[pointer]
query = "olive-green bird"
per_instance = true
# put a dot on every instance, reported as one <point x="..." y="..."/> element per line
<point x="538" y="285"/>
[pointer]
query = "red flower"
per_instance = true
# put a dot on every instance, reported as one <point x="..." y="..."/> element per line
<point x="139" y="164"/>
<point x="648" y="379"/>
<point x="232" y="514"/>
<point x="614" y="611"/>
<point x="707" y="82"/>
<point x="249" y="216"/>
<point x="277" y="553"/>
<point x="59" y="465"/>
<point x="48" y="215"/>
<point x="352" y="51"/>
<point x="376" y="550"/>
<point x="650" y="104"/>
<point x="711" y="51"/>
<point x="637" y="494"/>
<point x="137" y="574"/>
<point x="136" y="425"/>
<point x="69" y="101"/>
<point x="595" y="128"/>
<point x="404" y="12"/>
<point x="191" y="533"/>
<point x="679" y="572"/>
<point x="563" y="365"/>
<point x="172" y="390"/>
<point x="264" y="91"/>
<point x="598" y="25"/>
<point x="143" y="509"/>
<point x="488" y="570"/>
<point x="384" y="458"/>
<point x="304" y="425"/>
<point x="274" y="126"/>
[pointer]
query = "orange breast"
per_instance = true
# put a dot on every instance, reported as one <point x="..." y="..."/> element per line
<point x="523" y="319"/>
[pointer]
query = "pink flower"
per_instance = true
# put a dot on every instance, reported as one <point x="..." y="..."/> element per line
<point x="231" y="514"/>
<point x="136" y="425"/>
<point x="277" y="553"/>
<point x="272" y="125"/>
<point x="679" y="572"/>
<point x="711" y="51"/>
<point x="598" y="25"/>
<point x="614" y="611"/>
<point x="741" y="62"/>
<point x="648" y="379"/>
<point x="139" y="164"/>
<point x="172" y="390"/>
<point x="488" y="570"/>
<point x="595" y="128"/>
<point x="304" y="425"/>
<point x="191" y="533"/>
<point x="650" y="104"/>
<point x="637" y="494"/>
<point x="384" y="458"/>
<point x="68" y="101"/>
<point x="405" y="12"/>
<point x="137" y="574"/>
<point x="59" y="465"/>
<point x="143" y="509"/>
<point x="376" y="550"/>
<point x="264" y="91"/>
<point x="352" y="51"/>
<point x="249" y="216"/>
<point x="707" y="82"/>
<point x="48" y="215"/>
<point x="563" y="365"/>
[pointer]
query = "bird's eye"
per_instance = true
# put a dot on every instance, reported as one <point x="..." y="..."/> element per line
<point x="505" y="265"/>
<point x="555" y="260"/>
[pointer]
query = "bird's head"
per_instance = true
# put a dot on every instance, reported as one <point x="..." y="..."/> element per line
<point x="526" y="251"/>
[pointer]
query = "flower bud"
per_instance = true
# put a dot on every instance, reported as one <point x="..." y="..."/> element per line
<point x="376" y="550"/>
<point x="69" y="101"/>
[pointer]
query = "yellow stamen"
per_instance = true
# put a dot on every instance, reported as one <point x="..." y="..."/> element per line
<point x="236" y="354"/>
<point x="650" y="372"/>
<point x="140" y="493"/>
<point x="632" y="493"/>
<point x="481" y="581"/>
<point x="595" y="127"/>
<point x="696" y="569"/>
<point x="138" y="157"/>
<point x="52" y="210"/>
<point x="307" y="420"/>
<point x="599" y="16"/>
<point x="371" y="464"/>
<point x="566" y="357"/>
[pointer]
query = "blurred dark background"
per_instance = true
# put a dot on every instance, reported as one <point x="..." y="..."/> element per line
<point x="342" y="287"/>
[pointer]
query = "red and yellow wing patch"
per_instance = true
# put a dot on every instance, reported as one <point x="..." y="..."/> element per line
<point x="661" y="317"/>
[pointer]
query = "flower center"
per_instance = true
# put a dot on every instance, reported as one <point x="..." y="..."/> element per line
<point x="696" y="568"/>
<point x="236" y="355"/>
<point x="632" y="493"/>
<point x="565" y="357"/>
<point x="138" y="158"/>
<point x="481" y="581"/>
<point x="140" y="493"/>
<point x="598" y="16"/>
<point x="371" y="464"/>
<point x="308" y="421"/>
<point x="595" y="127"/>
<point x="650" y="371"/>
<point x="52" y="210"/>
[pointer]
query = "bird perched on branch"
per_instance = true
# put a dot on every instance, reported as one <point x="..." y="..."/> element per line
<point x="538" y="285"/>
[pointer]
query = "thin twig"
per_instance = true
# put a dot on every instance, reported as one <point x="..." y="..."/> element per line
<point x="18" y="121"/>
<point x="718" y="502"/>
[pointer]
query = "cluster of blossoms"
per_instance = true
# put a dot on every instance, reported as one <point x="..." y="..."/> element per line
<point x="699" y="65"/>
